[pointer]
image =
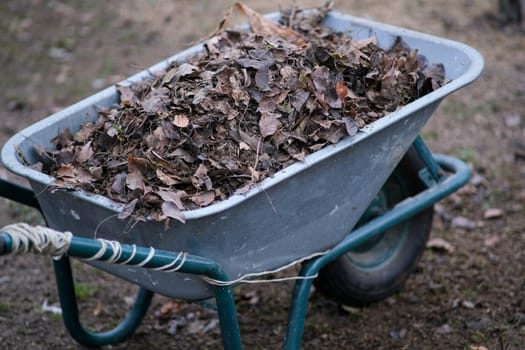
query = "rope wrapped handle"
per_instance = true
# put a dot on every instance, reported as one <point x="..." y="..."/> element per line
<point x="24" y="238"/>
<point x="36" y="239"/>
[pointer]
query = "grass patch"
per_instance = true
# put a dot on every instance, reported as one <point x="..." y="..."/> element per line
<point x="85" y="291"/>
<point x="466" y="154"/>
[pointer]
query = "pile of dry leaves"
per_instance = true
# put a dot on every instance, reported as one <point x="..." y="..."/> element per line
<point x="249" y="105"/>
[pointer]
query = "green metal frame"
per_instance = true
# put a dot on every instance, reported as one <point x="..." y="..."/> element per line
<point x="440" y="186"/>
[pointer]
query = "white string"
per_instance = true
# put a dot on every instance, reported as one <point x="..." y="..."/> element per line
<point x="133" y="252"/>
<point x="176" y="268"/>
<point x="167" y="266"/>
<point x="37" y="239"/>
<point x="148" y="258"/>
<point x="43" y="240"/>
<point x="255" y="281"/>
<point x="246" y="278"/>
<point x="101" y="251"/>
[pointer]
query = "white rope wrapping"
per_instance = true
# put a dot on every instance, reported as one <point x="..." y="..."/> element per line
<point x="43" y="240"/>
<point x="37" y="239"/>
<point x="116" y="247"/>
<point x="247" y="277"/>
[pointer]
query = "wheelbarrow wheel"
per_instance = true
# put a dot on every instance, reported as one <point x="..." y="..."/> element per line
<point x="378" y="268"/>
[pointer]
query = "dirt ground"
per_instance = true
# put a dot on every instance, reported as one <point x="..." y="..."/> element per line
<point x="470" y="295"/>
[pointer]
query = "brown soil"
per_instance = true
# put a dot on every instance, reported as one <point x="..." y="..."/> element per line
<point x="54" y="53"/>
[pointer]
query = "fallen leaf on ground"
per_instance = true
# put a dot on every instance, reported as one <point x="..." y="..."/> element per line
<point x="463" y="223"/>
<point x="169" y="309"/>
<point x="492" y="213"/>
<point x="491" y="241"/>
<point x="440" y="244"/>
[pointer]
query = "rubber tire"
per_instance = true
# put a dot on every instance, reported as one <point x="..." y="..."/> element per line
<point x="348" y="283"/>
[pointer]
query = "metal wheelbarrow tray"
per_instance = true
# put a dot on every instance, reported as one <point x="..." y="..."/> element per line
<point x="308" y="207"/>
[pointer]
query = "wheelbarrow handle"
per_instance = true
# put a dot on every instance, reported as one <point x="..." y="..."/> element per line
<point x="19" y="238"/>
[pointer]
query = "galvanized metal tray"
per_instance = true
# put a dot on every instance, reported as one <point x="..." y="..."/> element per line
<point x="305" y="208"/>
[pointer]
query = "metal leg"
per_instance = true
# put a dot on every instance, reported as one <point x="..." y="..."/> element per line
<point x="68" y="301"/>
<point x="297" y="314"/>
<point x="428" y="158"/>
<point x="231" y="337"/>
<point x="398" y="214"/>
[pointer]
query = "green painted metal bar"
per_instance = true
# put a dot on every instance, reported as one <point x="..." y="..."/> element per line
<point x="401" y="212"/>
<point x="427" y="157"/>
<point x="18" y="194"/>
<point x="86" y="248"/>
<point x="70" y="314"/>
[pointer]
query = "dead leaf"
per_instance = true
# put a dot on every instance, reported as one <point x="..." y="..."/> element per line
<point x="263" y="25"/>
<point x="63" y="139"/>
<point x="201" y="179"/>
<point x="156" y="101"/>
<point x="269" y="123"/>
<point x="85" y="153"/>
<point x="341" y="90"/>
<point x="135" y="180"/>
<point x="128" y="209"/>
<point x="167" y="179"/>
<point x="170" y="309"/>
<point x="350" y="125"/>
<point x="127" y="96"/>
<point x="441" y="245"/>
<point x="119" y="183"/>
<point x="173" y="197"/>
<point x="463" y="223"/>
<point x="98" y="309"/>
<point x="203" y="199"/>
<point x="181" y="120"/>
<point x="66" y="171"/>
<point x="170" y="210"/>
<point x="491" y="241"/>
<point x="492" y="213"/>
<point x="477" y="347"/>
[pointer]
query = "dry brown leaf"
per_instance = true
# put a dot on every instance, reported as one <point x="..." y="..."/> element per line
<point x="269" y="123"/>
<point x="203" y="199"/>
<point x="492" y="213"/>
<point x="98" y="309"/>
<point x="135" y="180"/>
<point x="128" y="209"/>
<point x="491" y="241"/>
<point x="477" y="347"/>
<point x="67" y="171"/>
<point x="265" y="26"/>
<point x="341" y="90"/>
<point x="119" y="183"/>
<point x="173" y="197"/>
<point x="166" y="179"/>
<point x="85" y="153"/>
<point x="170" y="309"/>
<point x="440" y="244"/>
<point x="181" y="120"/>
<point x="127" y="95"/>
<point x="170" y="210"/>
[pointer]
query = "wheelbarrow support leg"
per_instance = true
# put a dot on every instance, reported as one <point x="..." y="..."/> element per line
<point x="404" y="210"/>
<point x="68" y="301"/>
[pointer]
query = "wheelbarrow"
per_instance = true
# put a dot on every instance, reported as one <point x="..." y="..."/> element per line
<point x="357" y="214"/>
